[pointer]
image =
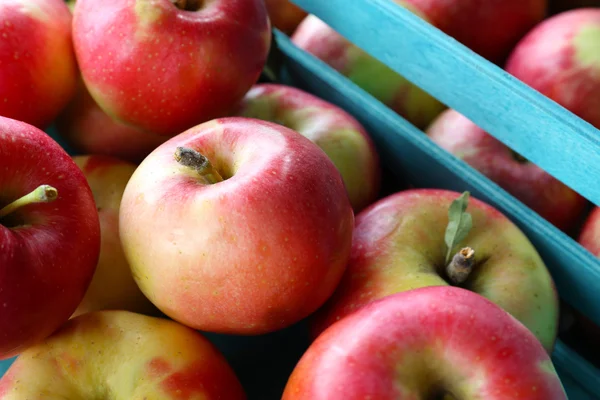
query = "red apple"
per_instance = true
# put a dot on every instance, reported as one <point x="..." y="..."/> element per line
<point x="237" y="226"/>
<point x="560" y="59"/>
<point x="38" y="69"/>
<point x="428" y="343"/>
<point x="119" y="354"/>
<point x="400" y="244"/>
<point x="537" y="189"/>
<point x="164" y="66"/>
<point x="335" y="131"/>
<point x="590" y="234"/>
<point x="49" y="236"/>
<point x="285" y="15"/>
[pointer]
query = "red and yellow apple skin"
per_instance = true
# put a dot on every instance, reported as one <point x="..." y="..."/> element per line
<point x="39" y="71"/>
<point x="161" y="69"/>
<point x="590" y="233"/>
<point x="251" y="254"/>
<point x="398" y="245"/>
<point x="48" y="251"/>
<point x="285" y="15"/>
<point x="537" y="189"/>
<point x="336" y="132"/>
<point x="119" y="354"/>
<point x="435" y="342"/>
<point x="113" y="286"/>
<point x="560" y="59"/>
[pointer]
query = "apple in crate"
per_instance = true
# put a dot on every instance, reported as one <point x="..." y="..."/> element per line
<point x="164" y="66"/>
<point x="237" y="226"/>
<point x="432" y="237"/>
<point x="537" y="189"/>
<point x="560" y="58"/>
<point x="335" y="131"/>
<point x="113" y="286"/>
<point x="285" y="15"/>
<point x="120" y="354"/>
<point x="590" y="233"/>
<point x="49" y="236"/>
<point x="427" y="343"/>
<point x="38" y="69"/>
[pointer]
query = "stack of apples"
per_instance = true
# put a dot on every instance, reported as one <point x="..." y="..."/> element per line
<point x="202" y="201"/>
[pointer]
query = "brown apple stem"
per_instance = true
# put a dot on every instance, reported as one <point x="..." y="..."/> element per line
<point x="192" y="159"/>
<point x="42" y="194"/>
<point x="461" y="265"/>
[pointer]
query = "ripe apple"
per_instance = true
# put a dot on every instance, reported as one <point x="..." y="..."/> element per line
<point x="376" y="78"/>
<point x="537" y="189"/>
<point x="428" y="343"/>
<point x="590" y="233"/>
<point x="335" y="131"/>
<point x="399" y="244"/>
<point x="39" y="71"/>
<point x="560" y="59"/>
<point x="113" y="286"/>
<point x="237" y="226"/>
<point x="120" y="354"/>
<point x="49" y="236"/>
<point x="285" y="15"/>
<point x="164" y="66"/>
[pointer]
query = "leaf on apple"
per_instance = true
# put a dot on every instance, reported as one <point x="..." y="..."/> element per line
<point x="460" y="223"/>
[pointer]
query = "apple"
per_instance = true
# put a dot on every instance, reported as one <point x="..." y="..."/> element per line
<point x="428" y="343"/>
<point x="406" y="99"/>
<point x="590" y="233"/>
<point x="49" y="236"/>
<point x="39" y="71"/>
<point x="285" y="15"/>
<point x="537" y="189"/>
<point x="335" y="131"/>
<point x="237" y="226"/>
<point x="401" y="243"/>
<point x="165" y="66"/>
<point x="120" y="354"/>
<point x="113" y="286"/>
<point x="560" y="59"/>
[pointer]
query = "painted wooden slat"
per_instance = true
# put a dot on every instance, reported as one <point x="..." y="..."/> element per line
<point x="572" y="369"/>
<point x="544" y="132"/>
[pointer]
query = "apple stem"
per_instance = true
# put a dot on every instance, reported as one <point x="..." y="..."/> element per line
<point x="192" y="159"/>
<point x="42" y="194"/>
<point x="461" y="265"/>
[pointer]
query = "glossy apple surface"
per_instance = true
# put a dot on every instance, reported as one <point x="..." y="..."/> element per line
<point x="335" y="131"/>
<point x="119" y="354"/>
<point x="38" y="69"/>
<point x="590" y="234"/>
<point x="164" y="69"/>
<point x="285" y="15"/>
<point x="48" y="251"/>
<point x="537" y="189"/>
<point x="252" y="253"/>
<point x="398" y="245"/>
<point x="428" y="343"/>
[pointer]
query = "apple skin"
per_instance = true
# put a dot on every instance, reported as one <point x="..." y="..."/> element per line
<point x="49" y="250"/>
<point x="590" y="233"/>
<point x="126" y="355"/>
<point x="537" y="189"/>
<point x="39" y="71"/>
<point x="398" y="245"/>
<point x="426" y="343"/>
<point x="285" y="15"/>
<point x="113" y="286"/>
<point x="406" y="99"/>
<point x="559" y="58"/>
<point x="151" y="65"/>
<point x="251" y="254"/>
<point x="336" y="132"/>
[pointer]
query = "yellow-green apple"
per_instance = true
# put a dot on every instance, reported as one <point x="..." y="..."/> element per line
<point x="49" y="236"/>
<point x="285" y="15"/>
<point x="120" y="354"/>
<point x="537" y="189"/>
<point x="408" y="100"/>
<point x="113" y="286"/>
<point x="428" y="343"/>
<point x="560" y="59"/>
<point x="407" y="240"/>
<point x="335" y="131"/>
<point x="167" y="65"/>
<point x="237" y="226"/>
<point x="39" y="71"/>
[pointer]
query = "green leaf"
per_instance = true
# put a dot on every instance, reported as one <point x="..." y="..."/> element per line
<point x="460" y="223"/>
